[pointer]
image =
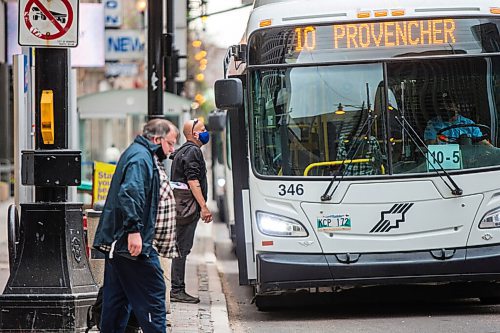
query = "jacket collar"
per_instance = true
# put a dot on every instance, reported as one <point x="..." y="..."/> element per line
<point x="184" y="145"/>
<point x="152" y="147"/>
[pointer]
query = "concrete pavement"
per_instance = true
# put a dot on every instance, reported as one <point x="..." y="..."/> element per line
<point x="202" y="280"/>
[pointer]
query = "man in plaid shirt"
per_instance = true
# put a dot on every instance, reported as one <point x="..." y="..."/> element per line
<point x="136" y="226"/>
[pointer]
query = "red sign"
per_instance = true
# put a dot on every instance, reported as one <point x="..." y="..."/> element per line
<point x="38" y="15"/>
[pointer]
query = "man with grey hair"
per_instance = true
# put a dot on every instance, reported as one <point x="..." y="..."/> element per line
<point x="136" y="226"/>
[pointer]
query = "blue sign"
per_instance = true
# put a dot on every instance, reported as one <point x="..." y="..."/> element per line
<point x="26" y="73"/>
<point x="125" y="45"/>
<point x="113" y="15"/>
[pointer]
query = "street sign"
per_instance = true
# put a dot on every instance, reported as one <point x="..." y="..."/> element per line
<point x="124" y="44"/>
<point x="113" y="13"/>
<point x="48" y="23"/>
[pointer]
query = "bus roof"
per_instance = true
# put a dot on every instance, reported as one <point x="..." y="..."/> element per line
<point x="302" y="12"/>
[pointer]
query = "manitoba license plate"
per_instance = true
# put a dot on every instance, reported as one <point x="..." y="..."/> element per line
<point x="334" y="222"/>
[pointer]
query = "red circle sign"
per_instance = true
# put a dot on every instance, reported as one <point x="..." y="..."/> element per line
<point x="40" y="11"/>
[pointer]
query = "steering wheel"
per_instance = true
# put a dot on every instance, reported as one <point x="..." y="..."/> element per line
<point x="485" y="129"/>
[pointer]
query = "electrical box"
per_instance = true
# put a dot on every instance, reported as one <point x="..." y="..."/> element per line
<point x="51" y="167"/>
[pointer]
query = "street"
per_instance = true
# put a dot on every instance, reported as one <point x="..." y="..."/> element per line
<point x="408" y="311"/>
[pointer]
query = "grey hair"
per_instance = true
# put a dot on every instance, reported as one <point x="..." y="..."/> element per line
<point x="158" y="127"/>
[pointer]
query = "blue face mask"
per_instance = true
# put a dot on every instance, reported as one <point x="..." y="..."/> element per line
<point x="204" y="137"/>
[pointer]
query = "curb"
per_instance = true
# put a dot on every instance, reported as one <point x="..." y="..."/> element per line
<point x="218" y="306"/>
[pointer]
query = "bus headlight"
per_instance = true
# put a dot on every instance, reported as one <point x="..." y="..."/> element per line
<point x="275" y="225"/>
<point x="491" y="219"/>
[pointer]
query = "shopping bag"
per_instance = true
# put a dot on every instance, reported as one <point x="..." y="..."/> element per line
<point x="186" y="206"/>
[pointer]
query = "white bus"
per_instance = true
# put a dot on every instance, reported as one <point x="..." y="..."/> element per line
<point x="365" y="145"/>
<point x="222" y="177"/>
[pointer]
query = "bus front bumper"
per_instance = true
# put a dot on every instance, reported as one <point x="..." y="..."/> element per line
<point x="284" y="271"/>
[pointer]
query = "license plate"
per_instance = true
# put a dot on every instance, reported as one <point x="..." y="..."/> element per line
<point x="334" y="222"/>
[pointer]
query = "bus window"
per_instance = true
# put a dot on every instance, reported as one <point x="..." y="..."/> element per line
<point x="319" y="121"/>
<point x="311" y="115"/>
<point x="453" y="107"/>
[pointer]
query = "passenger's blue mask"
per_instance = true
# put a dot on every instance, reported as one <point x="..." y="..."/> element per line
<point x="204" y="137"/>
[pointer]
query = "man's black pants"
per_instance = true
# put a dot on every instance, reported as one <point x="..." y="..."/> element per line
<point x="185" y="239"/>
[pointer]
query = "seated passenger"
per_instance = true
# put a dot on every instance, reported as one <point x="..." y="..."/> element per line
<point x="438" y="123"/>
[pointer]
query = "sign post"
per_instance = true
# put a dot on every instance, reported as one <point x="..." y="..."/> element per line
<point x="48" y="23"/>
<point x="50" y="287"/>
<point x="155" y="59"/>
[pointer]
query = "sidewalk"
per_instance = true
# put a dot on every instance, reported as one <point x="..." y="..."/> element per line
<point x="202" y="280"/>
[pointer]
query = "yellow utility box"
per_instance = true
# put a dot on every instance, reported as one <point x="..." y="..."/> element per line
<point x="47" y="116"/>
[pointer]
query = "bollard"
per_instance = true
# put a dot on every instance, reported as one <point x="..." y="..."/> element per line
<point x="96" y="258"/>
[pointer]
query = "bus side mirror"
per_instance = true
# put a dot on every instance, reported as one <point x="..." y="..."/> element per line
<point x="217" y="121"/>
<point x="228" y="94"/>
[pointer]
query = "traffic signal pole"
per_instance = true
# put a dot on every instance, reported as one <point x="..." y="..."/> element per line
<point x="155" y="58"/>
<point x="170" y="54"/>
<point x="50" y="287"/>
<point x="162" y="58"/>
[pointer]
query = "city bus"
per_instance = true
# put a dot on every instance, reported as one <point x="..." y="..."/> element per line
<point x="364" y="145"/>
<point x="222" y="182"/>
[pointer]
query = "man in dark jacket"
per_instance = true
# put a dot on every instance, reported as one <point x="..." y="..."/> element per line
<point x="138" y="205"/>
<point x="189" y="167"/>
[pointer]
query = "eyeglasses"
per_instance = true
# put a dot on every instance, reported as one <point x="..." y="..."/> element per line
<point x="195" y="121"/>
<point x="170" y="143"/>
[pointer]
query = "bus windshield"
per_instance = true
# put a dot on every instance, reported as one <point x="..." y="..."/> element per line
<point x="387" y="118"/>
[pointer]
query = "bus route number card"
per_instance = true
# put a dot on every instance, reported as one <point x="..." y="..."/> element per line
<point x="334" y="222"/>
<point x="447" y="156"/>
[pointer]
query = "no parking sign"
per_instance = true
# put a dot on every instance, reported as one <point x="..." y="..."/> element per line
<point x="48" y="23"/>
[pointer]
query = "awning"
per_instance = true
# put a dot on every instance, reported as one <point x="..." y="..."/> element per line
<point x="119" y="103"/>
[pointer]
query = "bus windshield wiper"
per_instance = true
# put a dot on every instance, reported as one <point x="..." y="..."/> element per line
<point x="326" y="196"/>
<point x="454" y="188"/>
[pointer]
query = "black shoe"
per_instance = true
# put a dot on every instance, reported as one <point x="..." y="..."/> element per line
<point x="183" y="297"/>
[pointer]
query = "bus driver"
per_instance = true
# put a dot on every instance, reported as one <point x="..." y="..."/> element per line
<point x="437" y="123"/>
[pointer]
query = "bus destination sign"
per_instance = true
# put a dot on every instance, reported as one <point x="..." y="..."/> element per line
<point x="379" y="34"/>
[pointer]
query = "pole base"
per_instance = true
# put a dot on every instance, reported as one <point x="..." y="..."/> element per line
<point x="50" y="288"/>
<point x="47" y="313"/>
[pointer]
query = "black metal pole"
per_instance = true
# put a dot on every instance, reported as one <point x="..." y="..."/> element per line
<point x="51" y="73"/>
<point x="169" y="59"/>
<point x="155" y="60"/>
<point x="50" y="288"/>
